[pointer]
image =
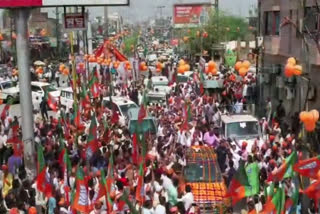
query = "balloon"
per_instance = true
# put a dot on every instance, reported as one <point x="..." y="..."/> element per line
<point x="214" y="71"/>
<point x="243" y="71"/>
<point x="187" y="67"/>
<point x="246" y="64"/>
<point x="181" y="62"/>
<point x="1" y="101"/>
<point x="142" y="65"/>
<point x="237" y="66"/>
<point x="309" y="118"/>
<point x="181" y="69"/>
<point x="297" y="70"/>
<point x="211" y="65"/>
<point x="61" y="67"/>
<point x="1" y="37"/>
<point x="158" y="70"/>
<point x="303" y="116"/>
<point x="315" y="114"/>
<point x="115" y="65"/>
<point x="310" y="127"/>
<point x="159" y="66"/>
<point x="92" y="59"/>
<point x="289" y="70"/>
<point x="292" y="61"/>
<point x="145" y="68"/>
<point x="65" y="72"/>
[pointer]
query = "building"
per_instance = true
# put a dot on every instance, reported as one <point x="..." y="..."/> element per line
<point x="282" y="40"/>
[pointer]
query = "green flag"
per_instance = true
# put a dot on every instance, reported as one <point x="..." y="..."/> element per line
<point x="252" y="171"/>
<point x="276" y="204"/>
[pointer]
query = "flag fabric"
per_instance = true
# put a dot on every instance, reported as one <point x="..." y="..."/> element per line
<point x="6" y="109"/>
<point x="14" y="125"/>
<point x="276" y="204"/>
<point x="108" y="183"/>
<point x="85" y="100"/>
<point x="313" y="191"/>
<point x="309" y="167"/>
<point x="125" y="198"/>
<point x="81" y="197"/>
<point x="140" y="188"/>
<point x="187" y="116"/>
<point x="101" y="191"/>
<point x="252" y="171"/>
<point x="94" y="85"/>
<point x="92" y="145"/>
<point x="66" y="167"/>
<point x="143" y="108"/>
<point x="76" y="115"/>
<point x="134" y="149"/>
<point x="202" y="79"/>
<point x="269" y="191"/>
<point x="291" y="202"/>
<point x="239" y="186"/>
<point x="285" y="170"/>
<point x="41" y="166"/>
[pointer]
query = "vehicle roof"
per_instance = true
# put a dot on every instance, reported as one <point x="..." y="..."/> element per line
<point x="3" y="81"/>
<point x="120" y="100"/>
<point x="200" y="153"/>
<point x="159" y="79"/>
<point x="234" y="118"/>
<point x="156" y="93"/>
<point x="40" y="84"/>
<point x="68" y="89"/>
<point x="187" y="73"/>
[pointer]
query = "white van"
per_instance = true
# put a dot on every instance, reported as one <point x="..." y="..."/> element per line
<point x="38" y="91"/>
<point x="121" y="105"/>
<point x="66" y="98"/>
<point x="159" y="83"/>
<point x="9" y="91"/>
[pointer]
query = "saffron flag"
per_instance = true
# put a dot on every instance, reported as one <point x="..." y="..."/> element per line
<point x="81" y="197"/>
<point x="51" y="101"/>
<point x="309" y="167"/>
<point x="6" y="109"/>
<point x="276" y="204"/>
<point x="140" y="188"/>
<point x="92" y="145"/>
<point x="76" y="115"/>
<point x="285" y="170"/>
<point x="41" y="166"/>
<point x="252" y="171"/>
<point x="134" y="149"/>
<point x="85" y="100"/>
<point x="239" y="186"/>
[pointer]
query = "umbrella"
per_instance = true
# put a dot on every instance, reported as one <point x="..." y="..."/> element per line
<point x="39" y="63"/>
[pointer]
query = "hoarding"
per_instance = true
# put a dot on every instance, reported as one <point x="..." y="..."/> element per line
<point x="75" y="21"/>
<point x="60" y="3"/>
<point x="190" y="15"/>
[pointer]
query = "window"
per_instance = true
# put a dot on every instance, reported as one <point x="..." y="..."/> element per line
<point x="311" y="19"/>
<point x="271" y="23"/>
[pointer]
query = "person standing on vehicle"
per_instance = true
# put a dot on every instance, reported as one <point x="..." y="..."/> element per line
<point x="44" y="109"/>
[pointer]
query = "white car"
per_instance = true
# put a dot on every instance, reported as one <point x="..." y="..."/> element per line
<point x="159" y="83"/>
<point x="9" y="91"/>
<point x="66" y="98"/>
<point x="38" y="91"/>
<point x="121" y="105"/>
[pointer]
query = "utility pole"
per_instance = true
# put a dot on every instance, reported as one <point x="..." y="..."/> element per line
<point x="23" y="56"/>
<point x="57" y="30"/>
<point x="106" y="21"/>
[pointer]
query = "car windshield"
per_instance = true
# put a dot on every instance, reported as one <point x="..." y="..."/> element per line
<point x="182" y="78"/>
<point x="156" y="99"/>
<point x="49" y="88"/>
<point x="241" y="130"/>
<point x="6" y="85"/>
<point x="164" y="83"/>
<point x="124" y="108"/>
<point x="199" y="172"/>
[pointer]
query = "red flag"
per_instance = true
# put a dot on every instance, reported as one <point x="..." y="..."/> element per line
<point x="142" y="113"/>
<point x="52" y="102"/>
<point x="135" y="149"/>
<point x="114" y="117"/>
<point x="309" y="167"/>
<point x="5" y="112"/>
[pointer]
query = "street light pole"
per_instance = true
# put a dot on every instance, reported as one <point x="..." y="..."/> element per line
<point x="23" y="56"/>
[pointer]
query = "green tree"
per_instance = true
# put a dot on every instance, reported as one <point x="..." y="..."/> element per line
<point x="130" y="41"/>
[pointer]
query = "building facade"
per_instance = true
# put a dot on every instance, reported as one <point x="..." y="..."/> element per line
<point x="283" y="39"/>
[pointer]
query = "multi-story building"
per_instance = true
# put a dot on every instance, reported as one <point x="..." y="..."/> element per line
<point x="283" y="39"/>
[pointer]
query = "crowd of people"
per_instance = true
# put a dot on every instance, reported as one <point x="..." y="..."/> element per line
<point x="154" y="187"/>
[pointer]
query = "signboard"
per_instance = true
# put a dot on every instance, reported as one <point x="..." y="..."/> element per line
<point x="61" y="3"/>
<point x="75" y="21"/>
<point x="190" y="15"/>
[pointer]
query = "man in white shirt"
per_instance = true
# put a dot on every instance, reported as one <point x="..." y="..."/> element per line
<point x="160" y="208"/>
<point x="188" y="198"/>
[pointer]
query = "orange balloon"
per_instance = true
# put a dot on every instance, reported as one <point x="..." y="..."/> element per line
<point x="181" y="62"/>
<point x="66" y="71"/>
<point x="211" y="65"/>
<point x="237" y="66"/>
<point x="181" y="69"/>
<point x="310" y="126"/>
<point x="315" y="114"/>
<point x="289" y="70"/>
<point x="142" y="65"/>
<point x="297" y="70"/>
<point x="309" y="118"/>
<point x="292" y="61"/>
<point x="159" y="65"/>
<point x="115" y="65"/>
<point x="129" y="67"/>
<point x="1" y="101"/>
<point x="243" y="71"/>
<point x="246" y="64"/>
<point x="187" y="67"/>
<point x="303" y="116"/>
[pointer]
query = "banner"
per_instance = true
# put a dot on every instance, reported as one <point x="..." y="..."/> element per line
<point x="190" y="15"/>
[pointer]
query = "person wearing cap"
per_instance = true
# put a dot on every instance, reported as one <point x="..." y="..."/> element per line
<point x="98" y="208"/>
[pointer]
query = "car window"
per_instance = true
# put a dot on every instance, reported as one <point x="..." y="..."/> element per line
<point x="125" y="108"/>
<point x="35" y="88"/>
<point x="63" y="94"/>
<point x="6" y="85"/>
<point x="49" y="88"/>
<point x="242" y="129"/>
<point x="69" y="95"/>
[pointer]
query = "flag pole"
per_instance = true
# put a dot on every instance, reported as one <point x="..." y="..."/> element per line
<point x="74" y="77"/>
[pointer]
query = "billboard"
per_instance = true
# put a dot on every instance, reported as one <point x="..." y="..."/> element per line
<point x="60" y="3"/>
<point x="75" y="21"/>
<point x="190" y="15"/>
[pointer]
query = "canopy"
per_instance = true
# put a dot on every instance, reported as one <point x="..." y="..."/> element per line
<point x="107" y="46"/>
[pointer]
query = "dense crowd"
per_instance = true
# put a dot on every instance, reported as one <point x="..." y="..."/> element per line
<point x="159" y="189"/>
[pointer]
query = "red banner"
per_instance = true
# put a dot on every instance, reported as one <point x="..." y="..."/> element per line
<point x="20" y="3"/>
<point x="189" y="13"/>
